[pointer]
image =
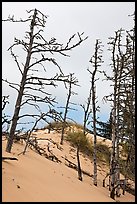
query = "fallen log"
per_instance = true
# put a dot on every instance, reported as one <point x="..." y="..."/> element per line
<point x="9" y="158"/>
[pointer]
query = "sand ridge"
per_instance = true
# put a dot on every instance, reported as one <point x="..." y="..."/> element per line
<point x="34" y="178"/>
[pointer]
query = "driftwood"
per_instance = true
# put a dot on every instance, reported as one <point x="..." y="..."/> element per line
<point x="52" y="141"/>
<point x="34" y="143"/>
<point x="70" y="164"/>
<point x="55" y="143"/>
<point x="9" y="158"/>
<point x="53" y="156"/>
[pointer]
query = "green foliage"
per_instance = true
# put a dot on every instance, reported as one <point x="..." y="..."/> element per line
<point x="127" y="170"/>
<point x="128" y="151"/>
<point x="105" y="129"/>
<point x="58" y="125"/>
<point x="78" y="139"/>
<point x="54" y="125"/>
<point x="103" y="153"/>
<point x="77" y="125"/>
<point x="86" y="146"/>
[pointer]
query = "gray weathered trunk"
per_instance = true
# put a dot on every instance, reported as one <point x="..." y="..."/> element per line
<point x="21" y="90"/>
<point x="95" y="138"/>
<point x="66" y="110"/>
<point x="94" y="118"/>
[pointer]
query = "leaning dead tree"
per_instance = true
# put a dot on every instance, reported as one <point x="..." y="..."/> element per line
<point x="72" y="81"/>
<point x="96" y="61"/>
<point x="32" y="85"/>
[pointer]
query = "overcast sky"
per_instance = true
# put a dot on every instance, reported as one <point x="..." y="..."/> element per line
<point x="98" y="20"/>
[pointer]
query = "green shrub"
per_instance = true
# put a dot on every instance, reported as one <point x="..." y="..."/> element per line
<point x="86" y="146"/>
<point x="103" y="152"/>
<point x="78" y="139"/>
<point x="54" y="126"/>
<point x="58" y="125"/>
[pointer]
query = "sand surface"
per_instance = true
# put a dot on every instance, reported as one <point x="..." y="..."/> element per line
<point x="33" y="178"/>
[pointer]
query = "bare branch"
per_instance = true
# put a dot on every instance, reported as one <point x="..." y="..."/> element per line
<point x="4" y="101"/>
<point x="11" y="84"/>
<point x="15" y="58"/>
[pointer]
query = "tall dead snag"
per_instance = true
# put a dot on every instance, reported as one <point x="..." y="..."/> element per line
<point x="123" y="98"/>
<point x="95" y="61"/>
<point x="73" y="81"/>
<point x="31" y="85"/>
<point x="117" y="66"/>
<point x="129" y="103"/>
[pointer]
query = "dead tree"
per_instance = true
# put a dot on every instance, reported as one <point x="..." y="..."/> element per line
<point x="129" y="102"/>
<point x="73" y="81"/>
<point x="31" y="86"/>
<point x="123" y="80"/>
<point x="115" y="97"/>
<point x="95" y="61"/>
<point x="79" y="166"/>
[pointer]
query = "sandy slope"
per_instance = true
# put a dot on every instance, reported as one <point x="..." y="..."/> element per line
<point x="34" y="178"/>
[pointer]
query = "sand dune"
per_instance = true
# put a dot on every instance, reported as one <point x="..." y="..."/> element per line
<point x="34" y="178"/>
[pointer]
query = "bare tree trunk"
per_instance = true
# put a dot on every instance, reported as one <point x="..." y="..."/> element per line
<point x="95" y="60"/>
<point x="21" y="90"/>
<point x="94" y="117"/>
<point x="95" y="137"/>
<point x="31" y="85"/>
<point x="63" y="130"/>
<point x="113" y="153"/>
<point x="113" y="161"/>
<point x="117" y="138"/>
<point x="66" y="110"/>
<point x="117" y="170"/>
<point x="79" y="167"/>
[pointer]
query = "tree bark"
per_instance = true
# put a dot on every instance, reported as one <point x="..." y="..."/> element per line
<point x="66" y="110"/>
<point x="79" y="167"/>
<point x="21" y="90"/>
<point x="94" y="114"/>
